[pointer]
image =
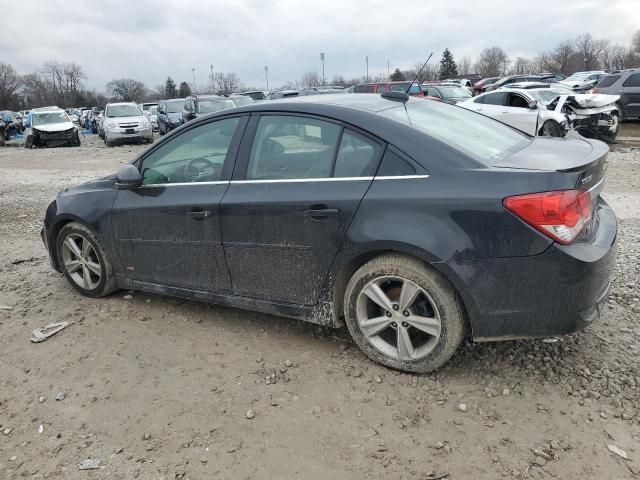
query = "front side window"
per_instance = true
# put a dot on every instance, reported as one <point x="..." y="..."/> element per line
<point x="290" y="147"/>
<point x="196" y="155"/>
<point x="495" y="98"/>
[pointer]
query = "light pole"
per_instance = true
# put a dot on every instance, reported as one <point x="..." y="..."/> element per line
<point x="366" y="59"/>
<point x="193" y="70"/>
<point x="213" y="87"/>
<point x="322" y="60"/>
<point x="266" y="75"/>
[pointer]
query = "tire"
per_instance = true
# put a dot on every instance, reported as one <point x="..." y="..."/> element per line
<point x="108" y="142"/>
<point x="160" y="132"/>
<point x="608" y="135"/>
<point x="150" y="140"/>
<point x="435" y="302"/>
<point x="76" y="140"/>
<point x="28" y="143"/>
<point x="551" y="128"/>
<point x="92" y="254"/>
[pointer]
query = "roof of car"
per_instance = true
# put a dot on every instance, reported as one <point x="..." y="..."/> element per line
<point x="52" y="108"/>
<point x="121" y="103"/>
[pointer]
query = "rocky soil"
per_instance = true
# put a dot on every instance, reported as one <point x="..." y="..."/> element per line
<point x="157" y="388"/>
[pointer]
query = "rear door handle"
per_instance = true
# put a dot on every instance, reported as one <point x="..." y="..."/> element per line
<point x="198" y="215"/>
<point x="321" y="213"/>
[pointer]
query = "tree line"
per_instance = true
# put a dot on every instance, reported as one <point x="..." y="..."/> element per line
<point x="64" y="84"/>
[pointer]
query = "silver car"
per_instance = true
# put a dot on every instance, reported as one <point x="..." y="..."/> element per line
<point x="125" y="122"/>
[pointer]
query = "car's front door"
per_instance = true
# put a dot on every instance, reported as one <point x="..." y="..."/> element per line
<point x="167" y="231"/>
<point x="297" y="185"/>
<point x="516" y="112"/>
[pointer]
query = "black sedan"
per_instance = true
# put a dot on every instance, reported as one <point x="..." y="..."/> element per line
<point x="375" y="211"/>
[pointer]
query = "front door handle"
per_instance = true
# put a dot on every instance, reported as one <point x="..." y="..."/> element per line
<point x="321" y="213"/>
<point x="199" y="214"/>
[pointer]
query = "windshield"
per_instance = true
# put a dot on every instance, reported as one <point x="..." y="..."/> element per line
<point x="148" y="106"/>
<point x="547" y="96"/>
<point x="123" y="111"/>
<point x="484" y="139"/>
<point x="240" y="101"/>
<point x="175" y="106"/>
<point x="577" y="76"/>
<point x="214" y="105"/>
<point x="454" y="92"/>
<point x="48" y="118"/>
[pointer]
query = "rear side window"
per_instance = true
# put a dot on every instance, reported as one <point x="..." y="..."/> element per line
<point x="608" y="81"/>
<point x="393" y="165"/>
<point x="290" y="147"/>
<point x="357" y="156"/>
<point x="632" y="81"/>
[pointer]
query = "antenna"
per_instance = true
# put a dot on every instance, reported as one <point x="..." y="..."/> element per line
<point x="418" y="74"/>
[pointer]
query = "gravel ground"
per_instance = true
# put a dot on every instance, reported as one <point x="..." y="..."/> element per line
<point x="159" y="388"/>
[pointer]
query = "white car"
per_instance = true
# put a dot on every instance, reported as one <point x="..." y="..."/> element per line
<point x="463" y="82"/>
<point x="582" y="81"/>
<point x="550" y="111"/>
<point x="51" y="127"/>
<point x="124" y="122"/>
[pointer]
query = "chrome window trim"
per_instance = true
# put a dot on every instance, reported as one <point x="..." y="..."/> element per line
<point x="177" y="184"/>
<point x="289" y="180"/>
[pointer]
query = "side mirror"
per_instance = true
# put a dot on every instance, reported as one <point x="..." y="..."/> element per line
<point x="128" y="178"/>
<point x="533" y="105"/>
<point x="162" y="112"/>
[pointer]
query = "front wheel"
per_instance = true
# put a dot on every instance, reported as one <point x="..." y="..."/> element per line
<point x="83" y="262"/>
<point x="403" y="315"/>
<point x="551" y="128"/>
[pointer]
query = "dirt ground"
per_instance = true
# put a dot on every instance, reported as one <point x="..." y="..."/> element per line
<point x="159" y="388"/>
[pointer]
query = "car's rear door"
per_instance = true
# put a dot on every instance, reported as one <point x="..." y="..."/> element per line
<point x="167" y="231"/>
<point x="297" y="184"/>
<point x="630" y="95"/>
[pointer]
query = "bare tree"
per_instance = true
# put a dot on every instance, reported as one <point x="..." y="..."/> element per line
<point x="126" y="89"/>
<point x="635" y="42"/>
<point x="561" y="57"/>
<point x="464" y="65"/>
<point x="9" y="84"/>
<point x="310" y="79"/>
<point x="590" y="49"/>
<point x="493" y="62"/>
<point x="522" y="65"/>
<point x="226" y="83"/>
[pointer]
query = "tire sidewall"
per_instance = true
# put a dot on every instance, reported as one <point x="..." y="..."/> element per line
<point x="78" y="229"/>
<point x="440" y="297"/>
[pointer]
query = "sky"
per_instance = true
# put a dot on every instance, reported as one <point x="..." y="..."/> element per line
<point x="151" y="39"/>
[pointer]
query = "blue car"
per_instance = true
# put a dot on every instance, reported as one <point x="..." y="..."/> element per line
<point x="169" y="114"/>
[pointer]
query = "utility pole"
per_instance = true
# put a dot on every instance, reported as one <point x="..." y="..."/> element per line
<point x="266" y="74"/>
<point x="366" y="59"/>
<point x="193" y="70"/>
<point x="322" y="60"/>
<point x="213" y="87"/>
<point x="388" y="71"/>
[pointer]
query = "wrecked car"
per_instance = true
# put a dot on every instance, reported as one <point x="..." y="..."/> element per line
<point x="51" y="127"/>
<point x="551" y="111"/>
<point x="369" y="210"/>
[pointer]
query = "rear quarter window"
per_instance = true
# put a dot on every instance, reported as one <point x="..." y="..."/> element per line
<point x="608" y="81"/>
<point x="632" y="81"/>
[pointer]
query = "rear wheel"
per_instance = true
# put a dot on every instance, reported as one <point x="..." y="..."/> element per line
<point x="84" y="263"/>
<point x="551" y="128"/>
<point x="403" y="314"/>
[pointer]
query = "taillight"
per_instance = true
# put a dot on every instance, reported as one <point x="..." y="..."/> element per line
<point x="560" y="215"/>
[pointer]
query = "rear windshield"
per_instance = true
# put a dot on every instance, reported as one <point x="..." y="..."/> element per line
<point x="402" y="87"/>
<point x="608" y="80"/>
<point x="481" y="138"/>
<point x="214" y="105"/>
<point x="240" y="101"/>
<point x="175" y="106"/>
<point x="454" y="92"/>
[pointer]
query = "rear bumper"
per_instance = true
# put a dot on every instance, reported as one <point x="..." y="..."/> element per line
<point x="560" y="291"/>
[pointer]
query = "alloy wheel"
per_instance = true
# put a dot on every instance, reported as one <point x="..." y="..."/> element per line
<point x="81" y="261"/>
<point x="398" y="318"/>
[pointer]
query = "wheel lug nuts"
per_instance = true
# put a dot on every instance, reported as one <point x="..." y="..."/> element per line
<point x="394" y="324"/>
<point x="406" y="313"/>
<point x="388" y="314"/>
<point x="405" y="324"/>
<point x="396" y="307"/>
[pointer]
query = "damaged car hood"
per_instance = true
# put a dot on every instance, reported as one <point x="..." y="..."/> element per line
<point x="595" y="100"/>
<point x="54" y="127"/>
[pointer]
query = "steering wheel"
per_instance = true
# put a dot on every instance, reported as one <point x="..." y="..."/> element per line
<point x="194" y="170"/>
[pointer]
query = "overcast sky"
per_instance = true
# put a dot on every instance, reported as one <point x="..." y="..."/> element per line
<point x="151" y="39"/>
